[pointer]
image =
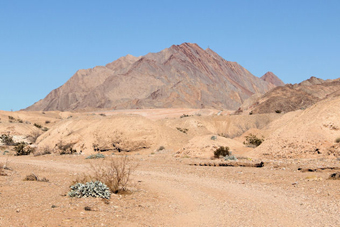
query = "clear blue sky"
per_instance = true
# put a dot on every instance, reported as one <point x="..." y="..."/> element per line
<point x="43" y="43"/>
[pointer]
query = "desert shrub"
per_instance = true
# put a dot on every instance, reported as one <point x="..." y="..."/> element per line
<point x="5" y="152"/>
<point x="103" y="115"/>
<point x="213" y="138"/>
<point x="184" y="130"/>
<point x="185" y="115"/>
<point x="230" y="157"/>
<point x="65" y="148"/>
<point x="278" y="111"/>
<point x="22" y="149"/>
<point x="33" y="136"/>
<point x="37" y="125"/>
<point x="11" y="118"/>
<point x="33" y="177"/>
<point x="221" y="151"/>
<point x="7" y="139"/>
<point x="47" y="122"/>
<point x="43" y="151"/>
<point x="20" y="121"/>
<point x="95" y="156"/>
<point x="90" y="189"/>
<point x="2" y="170"/>
<point x="161" y="148"/>
<point x="252" y="140"/>
<point x="115" y="173"/>
<point x="337" y="140"/>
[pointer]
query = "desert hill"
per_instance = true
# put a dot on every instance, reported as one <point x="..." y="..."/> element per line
<point x="272" y="78"/>
<point x="292" y="97"/>
<point x="182" y="76"/>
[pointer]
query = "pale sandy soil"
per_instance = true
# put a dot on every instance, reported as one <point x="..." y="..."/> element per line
<point x="166" y="191"/>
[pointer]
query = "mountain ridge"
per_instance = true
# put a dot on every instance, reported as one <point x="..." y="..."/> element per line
<point x="182" y="75"/>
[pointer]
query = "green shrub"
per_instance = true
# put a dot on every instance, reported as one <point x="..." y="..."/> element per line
<point x="213" y="138"/>
<point x="221" y="151"/>
<point x="252" y="140"/>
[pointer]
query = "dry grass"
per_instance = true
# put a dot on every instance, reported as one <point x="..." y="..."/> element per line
<point x="33" y="177"/>
<point x="114" y="172"/>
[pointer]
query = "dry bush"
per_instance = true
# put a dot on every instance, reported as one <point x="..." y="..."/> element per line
<point x="7" y="139"/>
<point x="64" y="148"/>
<point x="43" y="151"/>
<point x="33" y="177"/>
<point x="115" y="173"/>
<point x="33" y="136"/>
<point x="23" y="149"/>
<point x="337" y="140"/>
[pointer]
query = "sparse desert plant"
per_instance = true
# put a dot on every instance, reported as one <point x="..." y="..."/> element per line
<point x="95" y="156"/>
<point x="184" y="130"/>
<point x="33" y="136"/>
<point x="45" y="129"/>
<point x="185" y="115"/>
<point x="278" y="111"/>
<point x="337" y="140"/>
<point x="102" y="114"/>
<point x="23" y="149"/>
<point x="115" y="173"/>
<point x="90" y="189"/>
<point x="11" y="118"/>
<point x="33" y="177"/>
<point x="221" y="151"/>
<point x="213" y="138"/>
<point x="37" y="125"/>
<point x="47" y="122"/>
<point x="253" y="141"/>
<point x="7" y="139"/>
<point x="161" y="148"/>
<point x="43" y="151"/>
<point x="5" y="152"/>
<point x="65" y="148"/>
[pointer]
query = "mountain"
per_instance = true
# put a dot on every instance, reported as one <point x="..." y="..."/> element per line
<point x="272" y="78"/>
<point x="293" y="97"/>
<point x="180" y="76"/>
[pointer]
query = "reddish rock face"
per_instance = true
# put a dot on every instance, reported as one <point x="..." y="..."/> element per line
<point x="180" y="76"/>
<point x="272" y="78"/>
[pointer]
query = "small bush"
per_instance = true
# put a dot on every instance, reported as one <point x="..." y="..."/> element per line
<point x="65" y="148"/>
<point x="337" y="140"/>
<point x="252" y="140"/>
<point x="115" y="173"/>
<point x="213" y="138"/>
<point x="95" y="156"/>
<point x="11" y="118"/>
<point x="278" y="111"/>
<point x="221" y="151"/>
<point x="37" y="125"/>
<point x="7" y="139"/>
<point x="33" y="136"/>
<point x="184" y="130"/>
<point x="95" y="189"/>
<point x="43" y="151"/>
<point x="47" y="122"/>
<point x="33" y="177"/>
<point x="185" y="115"/>
<point x="22" y="149"/>
<point x="161" y="148"/>
<point x="5" y="152"/>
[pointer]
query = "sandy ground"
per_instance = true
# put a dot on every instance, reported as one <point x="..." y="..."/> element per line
<point x="167" y="191"/>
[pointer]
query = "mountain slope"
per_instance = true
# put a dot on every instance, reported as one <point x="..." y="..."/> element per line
<point x="272" y="78"/>
<point x="293" y="97"/>
<point x="180" y="76"/>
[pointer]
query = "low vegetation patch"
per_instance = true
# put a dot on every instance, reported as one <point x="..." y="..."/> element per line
<point x="337" y="140"/>
<point x="43" y="151"/>
<point x="7" y="139"/>
<point x="65" y="148"/>
<point x="33" y="177"/>
<point x="253" y="141"/>
<point x="95" y="189"/>
<point x="95" y="156"/>
<point x="184" y="130"/>
<point x="161" y="148"/>
<point x="115" y="173"/>
<point x="37" y="125"/>
<point x="221" y="151"/>
<point x="23" y="149"/>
